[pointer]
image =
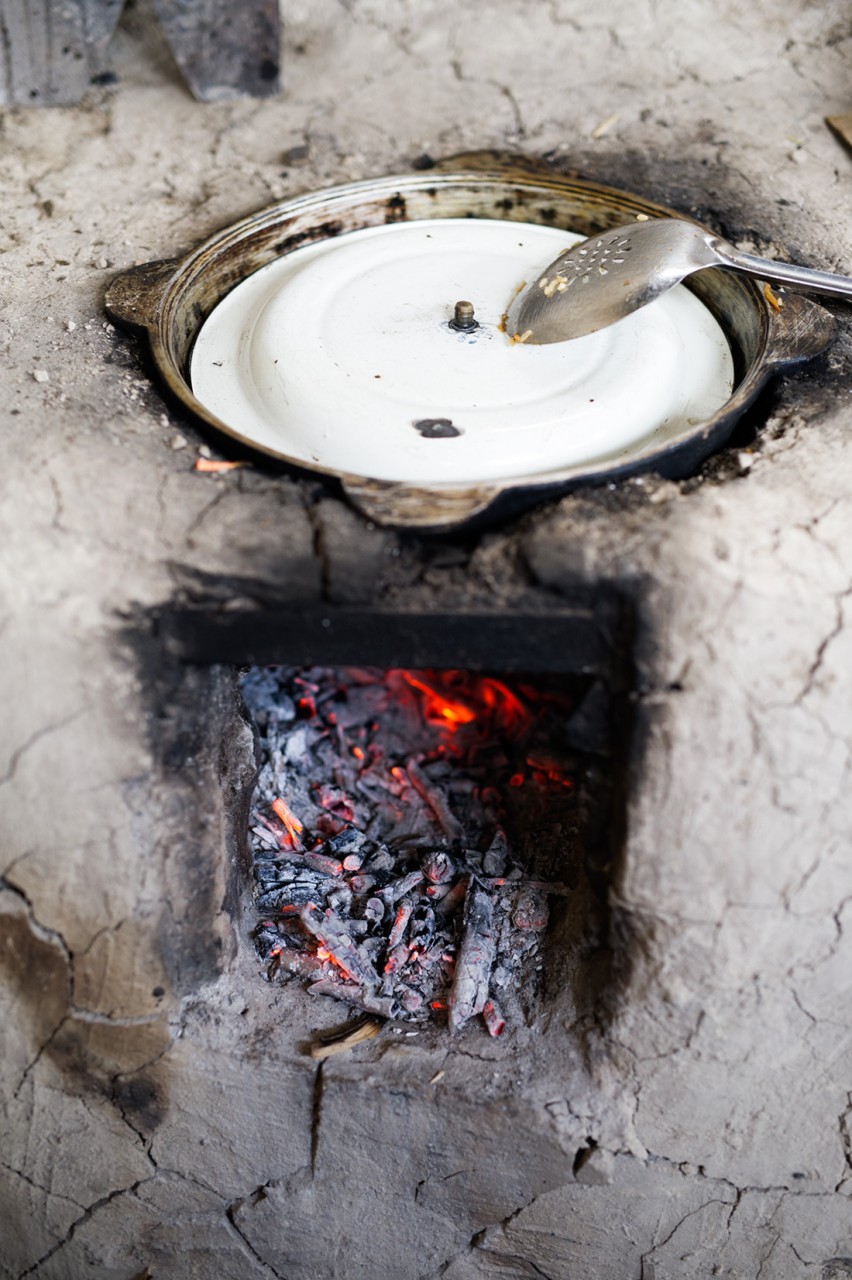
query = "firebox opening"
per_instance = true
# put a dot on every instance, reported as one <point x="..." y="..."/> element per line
<point x="430" y="846"/>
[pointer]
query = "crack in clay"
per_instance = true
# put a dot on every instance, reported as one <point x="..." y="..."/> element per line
<point x="59" y="510"/>
<point x="479" y="1237"/>
<point x="94" y="1017"/>
<point x="20" y="752"/>
<point x="845" y="1126"/>
<point x="56" y="940"/>
<point x="31" y="1066"/>
<point x="230" y="1213"/>
<point x="202" y="515"/>
<point x="395" y="37"/>
<point x="146" y="1143"/>
<point x="823" y="646"/>
<point x="520" y="127"/>
<point x="316" y="1116"/>
<point x="38" y="1187"/>
<point x="648" y="1255"/>
<point x="767" y="1256"/>
<point x="81" y="1221"/>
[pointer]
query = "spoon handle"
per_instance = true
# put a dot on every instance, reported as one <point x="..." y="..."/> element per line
<point x="807" y="279"/>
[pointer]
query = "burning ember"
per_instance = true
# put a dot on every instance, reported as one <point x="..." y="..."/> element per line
<point x="408" y="830"/>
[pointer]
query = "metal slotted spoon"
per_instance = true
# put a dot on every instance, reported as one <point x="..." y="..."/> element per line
<point x="598" y="282"/>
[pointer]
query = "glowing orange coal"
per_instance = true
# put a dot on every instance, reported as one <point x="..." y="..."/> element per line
<point x="438" y="705"/>
<point x="454" y="699"/>
<point x="499" y="699"/>
<point x="292" y="824"/>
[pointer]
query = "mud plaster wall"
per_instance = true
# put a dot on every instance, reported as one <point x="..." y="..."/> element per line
<point x="159" y="1117"/>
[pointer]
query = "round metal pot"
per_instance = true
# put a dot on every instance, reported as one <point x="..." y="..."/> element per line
<point x="170" y="300"/>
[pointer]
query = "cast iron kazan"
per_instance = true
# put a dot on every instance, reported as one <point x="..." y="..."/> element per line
<point x="170" y="300"/>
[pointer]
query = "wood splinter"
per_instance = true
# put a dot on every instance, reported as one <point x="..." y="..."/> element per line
<point x="341" y="1039"/>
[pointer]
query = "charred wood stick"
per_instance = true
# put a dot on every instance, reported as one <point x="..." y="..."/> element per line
<point x="403" y="915"/>
<point x="452" y="900"/>
<point x="476" y="956"/>
<point x="330" y="932"/>
<point x="382" y="1006"/>
<point x="436" y="801"/>
<point x="324" y="864"/>
<point x="399" y="888"/>
<point x="266" y="837"/>
<point x="299" y="963"/>
<point x="396" y="959"/>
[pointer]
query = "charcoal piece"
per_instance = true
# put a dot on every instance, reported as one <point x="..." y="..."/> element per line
<point x="298" y="963"/>
<point x="438" y="866"/>
<point x="399" y="888"/>
<point x="422" y="928"/>
<point x="494" y="1020"/>
<point x="403" y="915"/>
<point x="379" y="858"/>
<point x="303" y="889"/>
<point x="361" y="884"/>
<point x="454" y="899"/>
<point x="322" y="863"/>
<point x="265" y="939"/>
<point x="374" y="910"/>
<point x="439" y="950"/>
<point x="382" y="1006"/>
<point x="272" y="902"/>
<point x="273" y="871"/>
<point x="350" y="840"/>
<point x="395" y="961"/>
<point x="410" y="1000"/>
<point x="436" y="801"/>
<point x="476" y="955"/>
<point x="373" y="947"/>
<point x="496" y="855"/>
<point x="331" y="933"/>
<point x="265" y="837"/>
<point x="340" y="898"/>
<point x="473" y="861"/>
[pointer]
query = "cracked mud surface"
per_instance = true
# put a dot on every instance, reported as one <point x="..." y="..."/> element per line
<point x="156" y="1119"/>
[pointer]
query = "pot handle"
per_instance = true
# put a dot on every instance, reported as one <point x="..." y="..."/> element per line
<point x="133" y="297"/>
<point x="404" y="507"/>
<point x="800" y="330"/>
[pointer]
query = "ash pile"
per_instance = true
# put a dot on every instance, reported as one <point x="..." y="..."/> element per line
<point x="409" y="833"/>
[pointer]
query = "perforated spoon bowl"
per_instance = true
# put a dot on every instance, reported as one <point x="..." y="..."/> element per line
<point x="598" y="282"/>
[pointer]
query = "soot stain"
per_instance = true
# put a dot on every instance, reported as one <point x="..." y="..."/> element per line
<point x="437" y="428"/>
<point x="141" y="1099"/>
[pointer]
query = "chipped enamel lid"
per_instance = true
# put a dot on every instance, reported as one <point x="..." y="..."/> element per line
<point x="342" y="355"/>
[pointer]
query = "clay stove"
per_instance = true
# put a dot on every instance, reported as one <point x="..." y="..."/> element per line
<point x="159" y="1114"/>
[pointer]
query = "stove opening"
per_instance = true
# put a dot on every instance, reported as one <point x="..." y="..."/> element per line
<point x="430" y="846"/>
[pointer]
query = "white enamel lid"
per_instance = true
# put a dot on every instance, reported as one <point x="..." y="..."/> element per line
<point x="341" y="355"/>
